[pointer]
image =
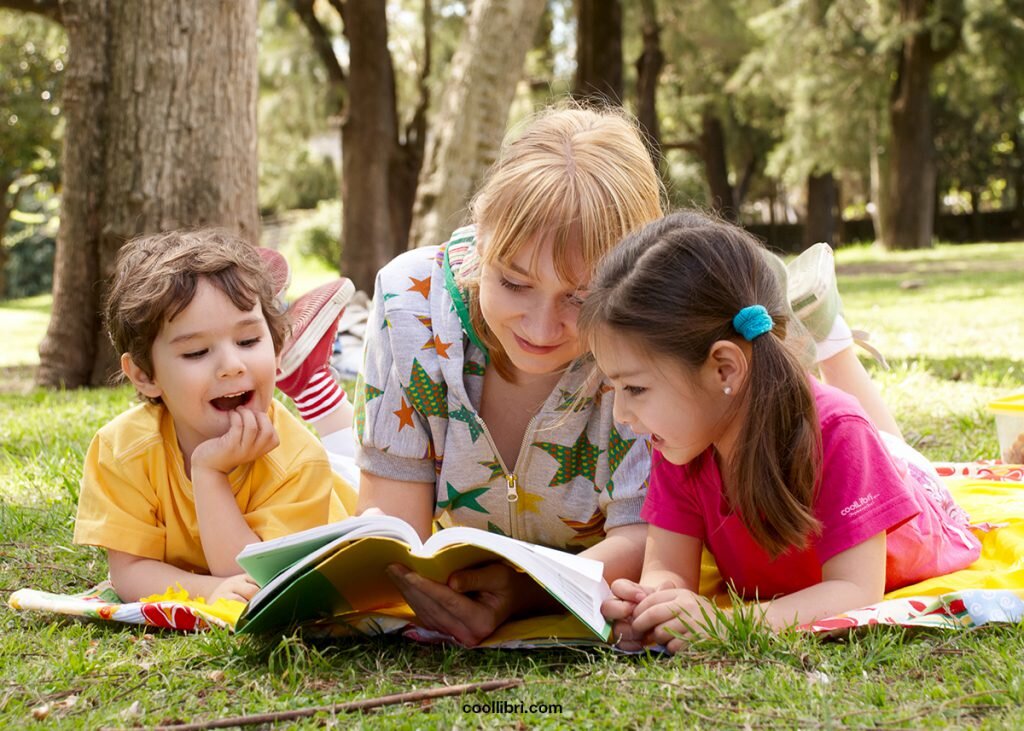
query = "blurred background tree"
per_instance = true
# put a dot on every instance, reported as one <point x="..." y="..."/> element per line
<point x="811" y="120"/>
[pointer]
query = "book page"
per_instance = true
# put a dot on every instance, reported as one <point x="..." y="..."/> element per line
<point x="263" y="561"/>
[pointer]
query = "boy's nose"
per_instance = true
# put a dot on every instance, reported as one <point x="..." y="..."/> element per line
<point x="230" y="364"/>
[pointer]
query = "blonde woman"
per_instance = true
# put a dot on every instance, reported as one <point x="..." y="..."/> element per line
<point x="476" y="397"/>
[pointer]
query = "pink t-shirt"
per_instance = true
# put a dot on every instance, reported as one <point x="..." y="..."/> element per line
<point x="863" y="491"/>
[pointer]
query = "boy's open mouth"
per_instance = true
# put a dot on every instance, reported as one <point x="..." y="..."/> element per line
<point x="232" y="401"/>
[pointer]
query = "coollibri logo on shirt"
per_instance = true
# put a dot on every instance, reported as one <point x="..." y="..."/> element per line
<point x="858" y="505"/>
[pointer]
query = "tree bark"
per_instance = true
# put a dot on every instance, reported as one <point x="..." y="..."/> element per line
<point x="822" y="210"/>
<point x="482" y="79"/>
<point x="160" y="108"/>
<point x="599" y="51"/>
<point x="369" y="135"/>
<point x="716" y="166"/>
<point x="908" y="218"/>
<point x="648" y="69"/>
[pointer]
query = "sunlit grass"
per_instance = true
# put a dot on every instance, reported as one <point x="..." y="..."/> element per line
<point x="952" y="346"/>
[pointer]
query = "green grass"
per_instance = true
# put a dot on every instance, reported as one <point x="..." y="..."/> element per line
<point x="954" y="343"/>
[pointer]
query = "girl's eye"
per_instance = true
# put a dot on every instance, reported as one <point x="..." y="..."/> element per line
<point x="194" y="354"/>
<point x="512" y="286"/>
<point x="574" y="300"/>
<point x="634" y="390"/>
<point x="248" y="342"/>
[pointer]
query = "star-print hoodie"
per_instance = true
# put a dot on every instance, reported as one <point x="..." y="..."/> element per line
<point x="578" y="473"/>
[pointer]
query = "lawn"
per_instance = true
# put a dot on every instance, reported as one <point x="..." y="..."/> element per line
<point x="949" y="322"/>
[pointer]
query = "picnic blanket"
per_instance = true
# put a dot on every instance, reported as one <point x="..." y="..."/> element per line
<point x="990" y="590"/>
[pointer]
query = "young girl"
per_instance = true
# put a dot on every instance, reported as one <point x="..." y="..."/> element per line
<point x="805" y="506"/>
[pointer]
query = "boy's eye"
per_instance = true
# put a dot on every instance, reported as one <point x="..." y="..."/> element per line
<point x="248" y="342"/>
<point x="512" y="286"/>
<point x="192" y="355"/>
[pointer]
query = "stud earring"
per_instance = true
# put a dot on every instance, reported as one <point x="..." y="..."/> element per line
<point x="727" y="390"/>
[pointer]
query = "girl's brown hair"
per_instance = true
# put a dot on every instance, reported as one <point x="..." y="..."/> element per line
<point x="156" y="277"/>
<point x="673" y="288"/>
<point x="583" y="176"/>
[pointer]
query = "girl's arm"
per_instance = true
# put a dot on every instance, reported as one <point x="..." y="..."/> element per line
<point x="622" y="552"/>
<point x="134" y="577"/>
<point x="851" y="579"/>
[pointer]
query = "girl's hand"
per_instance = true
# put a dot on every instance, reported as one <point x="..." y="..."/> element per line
<point x="619" y="610"/>
<point x="473" y="603"/>
<point x="669" y="614"/>
<point x="239" y="587"/>
<point x="249" y="436"/>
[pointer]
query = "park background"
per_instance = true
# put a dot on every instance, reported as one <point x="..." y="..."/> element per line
<point x="345" y="131"/>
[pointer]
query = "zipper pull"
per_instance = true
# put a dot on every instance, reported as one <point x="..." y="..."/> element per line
<point x="513" y="488"/>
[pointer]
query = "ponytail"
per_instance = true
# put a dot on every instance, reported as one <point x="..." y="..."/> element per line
<point x="777" y="457"/>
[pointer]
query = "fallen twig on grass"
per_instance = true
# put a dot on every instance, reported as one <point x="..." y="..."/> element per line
<point x="351" y="706"/>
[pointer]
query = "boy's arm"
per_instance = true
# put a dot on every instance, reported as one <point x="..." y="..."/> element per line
<point x="223" y="531"/>
<point x="134" y="577"/>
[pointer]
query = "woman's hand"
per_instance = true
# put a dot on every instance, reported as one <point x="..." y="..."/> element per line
<point x="473" y="603"/>
<point x="668" y="615"/>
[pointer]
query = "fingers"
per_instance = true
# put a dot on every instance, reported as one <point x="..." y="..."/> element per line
<point x="490" y="577"/>
<point x="628" y="590"/>
<point x="440" y="608"/>
<point x="617" y="609"/>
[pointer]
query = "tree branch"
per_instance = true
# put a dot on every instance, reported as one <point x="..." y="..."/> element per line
<point x="47" y="8"/>
<point x="321" y="44"/>
<point x="694" y="147"/>
<point x="417" y="696"/>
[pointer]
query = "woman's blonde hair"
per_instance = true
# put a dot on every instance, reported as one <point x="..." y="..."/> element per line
<point x="583" y="176"/>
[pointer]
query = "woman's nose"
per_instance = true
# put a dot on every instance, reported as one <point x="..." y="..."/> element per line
<point x="544" y="324"/>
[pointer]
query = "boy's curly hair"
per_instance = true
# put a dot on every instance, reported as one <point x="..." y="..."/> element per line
<point x="156" y="277"/>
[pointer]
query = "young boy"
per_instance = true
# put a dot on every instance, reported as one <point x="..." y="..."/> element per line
<point x="175" y="487"/>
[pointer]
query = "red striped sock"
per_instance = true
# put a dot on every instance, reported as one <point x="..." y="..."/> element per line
<point x="321" y="396"/>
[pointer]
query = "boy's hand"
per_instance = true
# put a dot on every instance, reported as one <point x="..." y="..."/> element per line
<point x="249" y="436"/>
<point x="239" y="587"/>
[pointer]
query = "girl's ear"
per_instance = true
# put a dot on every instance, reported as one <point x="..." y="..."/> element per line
<point x="727" y="367"/>
<point x="143" y="383"/>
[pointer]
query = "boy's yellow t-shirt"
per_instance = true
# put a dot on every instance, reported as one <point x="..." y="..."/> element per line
<point x="135" y="497"/>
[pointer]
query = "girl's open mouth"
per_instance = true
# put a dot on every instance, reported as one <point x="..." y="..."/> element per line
<point x="233" y="401"/>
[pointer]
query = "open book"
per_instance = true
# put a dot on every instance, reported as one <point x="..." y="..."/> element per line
<point x="335" y="574"/>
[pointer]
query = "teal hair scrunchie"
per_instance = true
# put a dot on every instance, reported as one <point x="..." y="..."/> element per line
<point x="752" y="321"/>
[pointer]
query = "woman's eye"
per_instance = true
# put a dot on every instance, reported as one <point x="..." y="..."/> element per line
<point x="193" y="355"/>
<point x="574" y="299"/>
<point x="634" y="390"/>
<point x="512" y="286"/>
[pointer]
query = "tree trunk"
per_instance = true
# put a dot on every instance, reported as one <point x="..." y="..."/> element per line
<point x="908" y="217"/>
<point x="598" y="51"/>
<point x="648" y="69"/>
<point x="716" y="166"/>
<point x="822" y="209"/>
<point x="369" y="138"/>
<point x="5" y="215"/>
<point x="160" y="108"/>
<point x="482" y="79"/>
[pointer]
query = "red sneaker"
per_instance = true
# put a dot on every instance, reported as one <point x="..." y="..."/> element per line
<point x="278" y="270"/>
<point x="304" y="375"/>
